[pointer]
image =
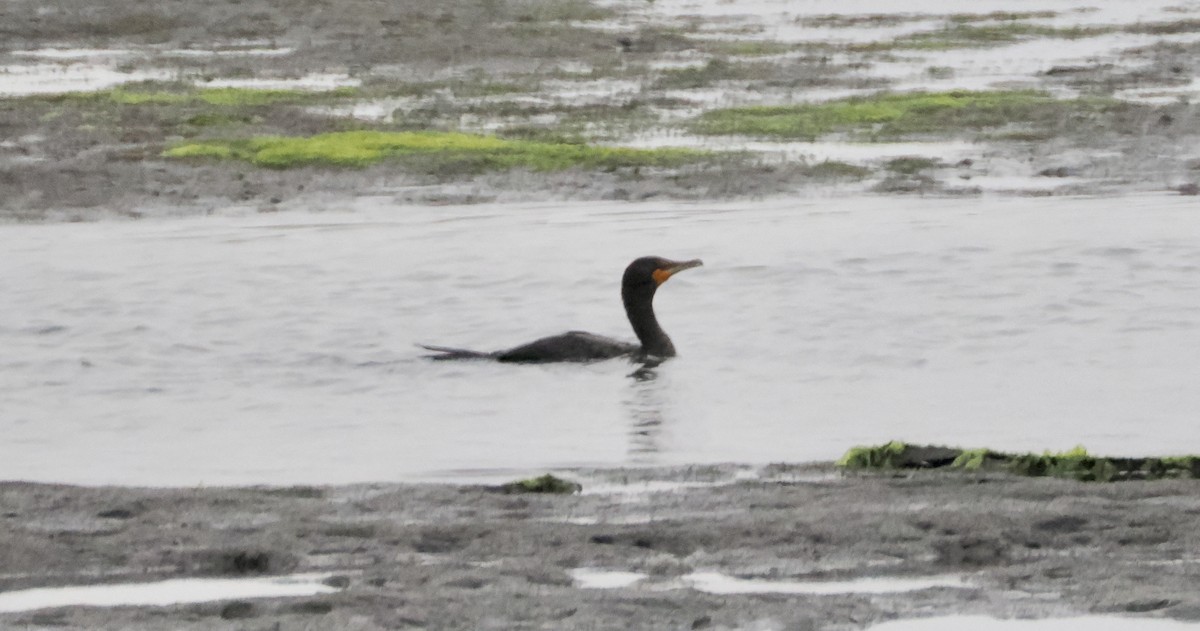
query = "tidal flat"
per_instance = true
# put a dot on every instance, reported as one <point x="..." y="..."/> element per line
<point x="869" y="171"/>
<point x="721" y="547"/>
<point x="115" y="109"/>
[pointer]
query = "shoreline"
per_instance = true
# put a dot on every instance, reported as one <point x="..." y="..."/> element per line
<point x="448" y="556"/>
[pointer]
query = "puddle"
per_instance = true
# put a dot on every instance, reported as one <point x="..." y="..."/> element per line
<point x="1162" y="95"/>
<point x="789" y="20"/>
<point x="381" y="109"/>
<point x="983" y="623"/>
<point x="592" y="578"/>
<point x="645" y="487"/>
<point x="169" y="592"/>
<point x="310" y="82"/>
<point x="717" y="583"/>
<point x="55" y="78"/>
<point x="1005" y="65"/>
<point x="853" y="152"/>
<point x="591" y="520"/>
<point x="228" y="52"/>
<point x="1026" y="184"/>
<point x="67" y="54"/>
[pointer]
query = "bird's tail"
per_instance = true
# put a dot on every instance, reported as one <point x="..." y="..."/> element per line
<point x="445" y="352"/>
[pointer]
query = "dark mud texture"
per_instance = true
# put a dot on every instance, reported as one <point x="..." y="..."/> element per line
<point x="71" y="160"/>
<point x="472" y="557"/>
<point x="75" y="159"/>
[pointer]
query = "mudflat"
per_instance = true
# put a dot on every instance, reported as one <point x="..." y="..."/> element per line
<point x="202" y="80"/>
<point x="121" y="109"/>
<point x="437" y="556"/>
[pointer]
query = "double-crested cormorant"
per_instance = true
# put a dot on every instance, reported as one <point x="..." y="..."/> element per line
<point x="641" y="280"/>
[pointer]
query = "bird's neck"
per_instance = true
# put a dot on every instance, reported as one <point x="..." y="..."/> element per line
<point x="640" y="309"/>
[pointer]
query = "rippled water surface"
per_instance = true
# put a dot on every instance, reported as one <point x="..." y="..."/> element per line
<point x="280" y="348"/>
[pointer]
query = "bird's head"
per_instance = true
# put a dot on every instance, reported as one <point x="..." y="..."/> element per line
<point x="651" y="271"/>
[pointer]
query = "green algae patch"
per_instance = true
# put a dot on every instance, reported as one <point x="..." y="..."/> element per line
<point x="889" y="115"/>
<point x="200" y="150"/>
<point x="911" y="165"/>
<point x="164" y="94"/>
<point x="962" y="35"/>
<point x="1075" y="464"/>
<point x="837" y="170"/>
<point x="898" y="455"/>
<point x="446" y="150"/>
<point x="542" y="484"/>
<point x="233" y="97"/>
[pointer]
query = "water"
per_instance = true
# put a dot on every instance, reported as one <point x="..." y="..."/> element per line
<point x="168" y="592"/>
<point x="279" y="348"/>
<point x="591" y="578"/>
<point x="718" y="583"/>
<point x="983" y="623"/>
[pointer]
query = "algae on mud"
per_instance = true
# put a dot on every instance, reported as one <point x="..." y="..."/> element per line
<point x="963" y="35"/>
<point x="547" y="483"/>
<point x="1075" y="464"/>
<point x="152" y="93"/>
<point x="889" y="116"/>
<point x="450" y="149"/>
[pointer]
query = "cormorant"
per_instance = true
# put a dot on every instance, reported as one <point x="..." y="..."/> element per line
<point x="641" y="280"/>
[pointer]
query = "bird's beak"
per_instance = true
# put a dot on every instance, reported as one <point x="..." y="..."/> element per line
<point x="663" y="273"/>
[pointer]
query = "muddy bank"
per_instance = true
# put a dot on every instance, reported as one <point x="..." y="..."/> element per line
<point x="453" y="557"/>
<point x="574" y="72"/>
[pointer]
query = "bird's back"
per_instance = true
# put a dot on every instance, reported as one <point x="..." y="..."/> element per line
<point x="573" y="346"/>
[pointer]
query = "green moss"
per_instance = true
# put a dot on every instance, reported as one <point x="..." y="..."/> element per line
<point x="889" y="115"/>
<point x="897" y="455"/>
<point x="436" y="151"/>
<point x="154" y="93"/>
<point x="256" y="96"/>
<point x="202" y="150"/>
<point x="216" y="119"/>
<point x="1001" y="15"/>
<point x="870" y="20"/>
<point x="835" y="170"/>
<point x="122" y="96"/>
<point x="471" y="85"/>
<point x="1165" y="28"/>
<point x="693" y="77"/>
<point x="748" y="48"/>
<point x="542" y="484"/>
<point x="962" y="33"/>
<point x="910" y="165"/>
<point x="972" y="459"/>
<point x="880" y="457"/>
<point x="1076" y="464"/>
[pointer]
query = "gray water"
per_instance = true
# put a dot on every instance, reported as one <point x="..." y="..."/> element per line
<point x="279" y="348"/>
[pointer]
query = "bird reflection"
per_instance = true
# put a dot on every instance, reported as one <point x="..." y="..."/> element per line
<point x="646" y="369"/>
<point x="645" y="404"/>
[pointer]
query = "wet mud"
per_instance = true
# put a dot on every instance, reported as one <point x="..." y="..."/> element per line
<point x="609" y="73"/>
<point x="461" y="556"/>
<point x="431" y="556"/>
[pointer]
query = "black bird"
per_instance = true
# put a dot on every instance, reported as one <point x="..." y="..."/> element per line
<point x="641" y="280"/>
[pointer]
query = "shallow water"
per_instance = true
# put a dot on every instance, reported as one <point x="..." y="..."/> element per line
<point x="1003" y="66"/>
<point x="718" y="583"/>
<point x="168" y="592"/>
<point x="278" y="348"/>
<point x="592" y="578"/>
<point x="983" y="623"/>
